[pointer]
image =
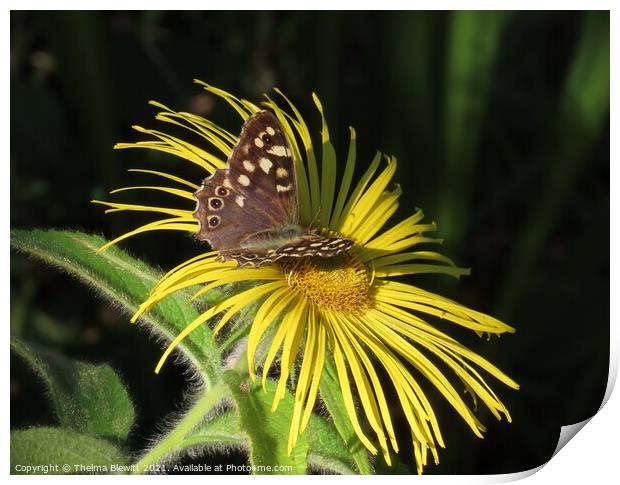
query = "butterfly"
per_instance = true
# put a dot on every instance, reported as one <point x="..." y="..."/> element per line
<point x="249" y="212"/>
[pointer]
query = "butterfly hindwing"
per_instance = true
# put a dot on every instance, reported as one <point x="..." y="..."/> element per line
<point x="314" y="245"/>
<point x="308" y="246"/>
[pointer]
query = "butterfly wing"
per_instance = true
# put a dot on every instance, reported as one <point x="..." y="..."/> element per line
<point x="224" y="214"/>
<point x="256" y="192"/>
<point x="261" y="167"/>
<point x="309" y="245"/>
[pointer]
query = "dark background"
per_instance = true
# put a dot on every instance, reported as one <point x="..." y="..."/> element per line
<point x="500" y="122"/>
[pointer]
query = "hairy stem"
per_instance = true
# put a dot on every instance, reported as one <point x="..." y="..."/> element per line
<point x="172" y="442"/>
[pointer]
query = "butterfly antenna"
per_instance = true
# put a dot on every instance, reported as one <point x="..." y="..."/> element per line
<point x="315" y="217"/>
<point x="288" y="279"/>
<point x="372" y="277"/>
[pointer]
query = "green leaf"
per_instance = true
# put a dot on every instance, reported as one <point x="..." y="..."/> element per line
<point x="332" y="397"/>
<point x="220" y="431"/>
<point x="52" y="448"/>
<point x="86" y="397"/>
<point x="125" y="281"/>
<point x="267" y="431"/>
<point x="325" y="450"/>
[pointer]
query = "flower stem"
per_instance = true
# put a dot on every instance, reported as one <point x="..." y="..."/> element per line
<point x="171" y="442"/>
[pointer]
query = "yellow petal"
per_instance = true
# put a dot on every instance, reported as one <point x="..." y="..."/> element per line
<point x="368" y="200"/>
<point x="346" y="389"/>
<point x="345" y="183"/>
<point x="271" y="308"/>
<point x="170" y="190"/>
<point x="167" y="176"/>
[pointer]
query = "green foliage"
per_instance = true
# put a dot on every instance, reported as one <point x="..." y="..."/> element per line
<point x="269" y="439"/>
<point x="126" y="282"/>
<point x="332" y="397"/>
<point x="220" y="430"/>
<point x="56" y="446"/>
<point x="584" y="108"/>
<point x="473" y="41"/>
<point x="91" y="398"/>
<point x="325" y="450"/>
<point x="87" y="398"/>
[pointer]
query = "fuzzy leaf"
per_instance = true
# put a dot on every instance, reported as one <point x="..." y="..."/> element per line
<point x="125" y="281"/>
<point x="267" y="431"/>
<point x="332" y="397"/>
<point x="55" y="447"/>
<point x="87" y="398"/>
<point x="219" y="431"/>
<point x="326" y="452"/>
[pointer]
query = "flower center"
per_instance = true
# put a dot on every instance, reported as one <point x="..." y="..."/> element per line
<point x="341" y="283"/>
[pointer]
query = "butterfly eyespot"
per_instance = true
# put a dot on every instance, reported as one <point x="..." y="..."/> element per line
<point x="267" y="139"/>
<point x="221" y="191"/>
<point x="214" y="221"/>
<point x="215" y="203"/>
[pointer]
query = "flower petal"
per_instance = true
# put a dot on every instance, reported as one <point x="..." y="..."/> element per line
<point x="345" y="386"/>
<point x="167" y="176"/>
<point x="358" y="191"/>
<point x="345" y="183"/>
<point x="170" y="190"/>
<point x="367" y="201"/>
<point x="408" y="296"/>
<point x="272" y="307"/>
<point x="174" y="146"/>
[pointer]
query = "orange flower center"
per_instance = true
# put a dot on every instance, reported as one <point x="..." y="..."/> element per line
<point x="341" y="283"/>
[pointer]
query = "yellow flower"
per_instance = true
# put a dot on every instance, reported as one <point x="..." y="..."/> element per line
<point x="350" y="307"/>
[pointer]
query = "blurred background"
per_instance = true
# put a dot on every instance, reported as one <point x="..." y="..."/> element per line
<point x="500" y="122"/>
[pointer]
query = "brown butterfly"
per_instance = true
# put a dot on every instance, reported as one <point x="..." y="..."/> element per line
<point x="248" y="211"/>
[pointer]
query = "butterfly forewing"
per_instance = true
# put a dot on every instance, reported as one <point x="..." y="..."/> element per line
<point x="248" y="211"/>
<point x="261" y="166"/>
<point x="256" y="192"/>
<point x="224" y="215"/>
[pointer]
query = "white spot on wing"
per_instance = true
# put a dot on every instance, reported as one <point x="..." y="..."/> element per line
<point x="239" y="200"/>
<point x="227" y="183"/>
<point x="281" y="173"/>
<point x="258" y="142"/>
<point x="249" y="166"/>
<point x="271" y="131"/>
<point x="282" y="188"/>
<point x="244" y="180"/>
<point x="279" y="150"/>
<point x="265" y="164"/>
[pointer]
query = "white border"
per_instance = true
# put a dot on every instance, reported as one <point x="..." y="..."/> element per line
<point x="592" y="456"/>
